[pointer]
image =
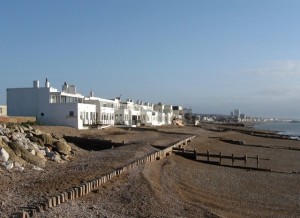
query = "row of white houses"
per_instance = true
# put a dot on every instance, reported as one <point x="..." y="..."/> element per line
<point x="69" y="108"/>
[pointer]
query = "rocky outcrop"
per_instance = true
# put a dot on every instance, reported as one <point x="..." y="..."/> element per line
<point x="25" y="145"/>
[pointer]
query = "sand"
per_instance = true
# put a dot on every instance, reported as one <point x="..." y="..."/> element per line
<point x="171" y="187"/>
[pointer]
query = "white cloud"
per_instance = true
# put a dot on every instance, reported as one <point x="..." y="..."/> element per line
<point x="285" y="68"/>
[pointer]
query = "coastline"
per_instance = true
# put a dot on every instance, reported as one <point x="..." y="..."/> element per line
<point x="171" y="187"/>
<point x="291" y="129"/>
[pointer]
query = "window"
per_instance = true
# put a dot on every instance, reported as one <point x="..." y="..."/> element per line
<point x="71" y="113"/>
<point x="0" y="110"/>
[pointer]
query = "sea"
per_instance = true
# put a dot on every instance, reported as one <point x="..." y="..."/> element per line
<point x="282" y="127"/>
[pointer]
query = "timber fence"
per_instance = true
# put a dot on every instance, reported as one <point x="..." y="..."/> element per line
<point x="245" y="161"/>
<point x="87" y="187"/>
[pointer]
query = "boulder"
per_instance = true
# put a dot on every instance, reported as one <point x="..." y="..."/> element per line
<point x="21" y="129"/>
<point x="12" y="155"/>
<point x="62" y="147"/>
<point x="56" y="158"/>
<point x="29" y="127"/>
<point x="36" y="132"/>
<point x="4" y="139"/>
<point x="18" y="167"/>
<point x="8" y="165"/>
<point x="14" y="137"/>
<point x="15" y="147"/>
<point x="32" y="151"/>
<point x="27" y="156"/>
<point x="41" y="153"/>
<point x="46" y="138"/>
<point x="4" y="156"/>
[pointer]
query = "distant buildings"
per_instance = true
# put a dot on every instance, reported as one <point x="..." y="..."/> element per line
<point x="237" y="113"/>
<point x="69" y="108"/>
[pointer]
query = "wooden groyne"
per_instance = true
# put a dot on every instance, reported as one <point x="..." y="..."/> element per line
<point x="87" y="187"/>
<point x="218" y="158"/>
<point x="235" y="142"/>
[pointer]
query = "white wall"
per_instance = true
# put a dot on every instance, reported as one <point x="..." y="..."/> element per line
<point x="3" y="110"/>
<point x="25" y="101"/>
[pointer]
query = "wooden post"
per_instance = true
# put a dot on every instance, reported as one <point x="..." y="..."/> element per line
<point x="232" y="159"/>
<point x="257" y="161"/>
<point x="220" y="158"/>
<point x="207" y="156"/>
<point x="195" y="154"/>
<point x="245" y="160"/>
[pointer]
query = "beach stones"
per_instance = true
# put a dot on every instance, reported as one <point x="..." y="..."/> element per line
<point x="23" y="144"/>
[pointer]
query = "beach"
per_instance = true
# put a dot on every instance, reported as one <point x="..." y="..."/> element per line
<point x="173" y="186"/>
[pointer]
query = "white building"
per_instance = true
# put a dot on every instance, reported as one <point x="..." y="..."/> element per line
<point x="50" y="106"/>
<point x="164" y="114"/>
<point x="3" y="110"/>
<point x="127" y="113"/>
<point x="105" y="109"/>
<point x="237" y="113"/>
<point x="178" y="112"/>
<point x="68" y="108"/>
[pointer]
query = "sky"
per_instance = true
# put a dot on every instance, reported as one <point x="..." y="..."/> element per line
<point x="209" y="55"/>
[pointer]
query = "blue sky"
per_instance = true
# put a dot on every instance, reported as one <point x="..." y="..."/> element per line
<point x="211" y="55"/>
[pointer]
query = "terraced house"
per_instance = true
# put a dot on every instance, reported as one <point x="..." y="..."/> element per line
<point x="69" y="108"/>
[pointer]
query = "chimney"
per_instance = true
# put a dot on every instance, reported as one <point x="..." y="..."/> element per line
<point x="47" y="84"/>
<point x="36" y="84"/>
<point x="91" y="94"/>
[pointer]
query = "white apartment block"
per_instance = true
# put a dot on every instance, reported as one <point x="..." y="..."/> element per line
<point x="69" y="108"/>
<point x="50" y="106"/>
<point x="105" y="109"/>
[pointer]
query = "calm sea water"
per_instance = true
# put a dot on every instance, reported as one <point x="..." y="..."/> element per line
<point x="285" y="128"/>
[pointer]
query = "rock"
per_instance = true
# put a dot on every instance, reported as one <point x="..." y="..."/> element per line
<point x="56" y="158"/>
<point x="29" y="127"/>
<point x="46" y="138"/>
<point x="14" y="137"/>
<point x="4" y="156"/>
<point x="41" y="153"/>
<point x="49" y="153"/>
<point x="55" y="136"/>
<point x="21" y="129"/>
<point x="63" y="147"/>
<point x="37" y="168"/>
<point x="30" y="137"/>
<point x="40" y="142"/>
<point x="27" y="156"/>
<point x="4" y="139"/>
<point x="32" y="152"/>
<point x="18" y="167"/>
<point x="9" y="165"/>
<point x="65" y="157"/>
<point x="37" y="132"/>
<point x="15" y="147"/>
